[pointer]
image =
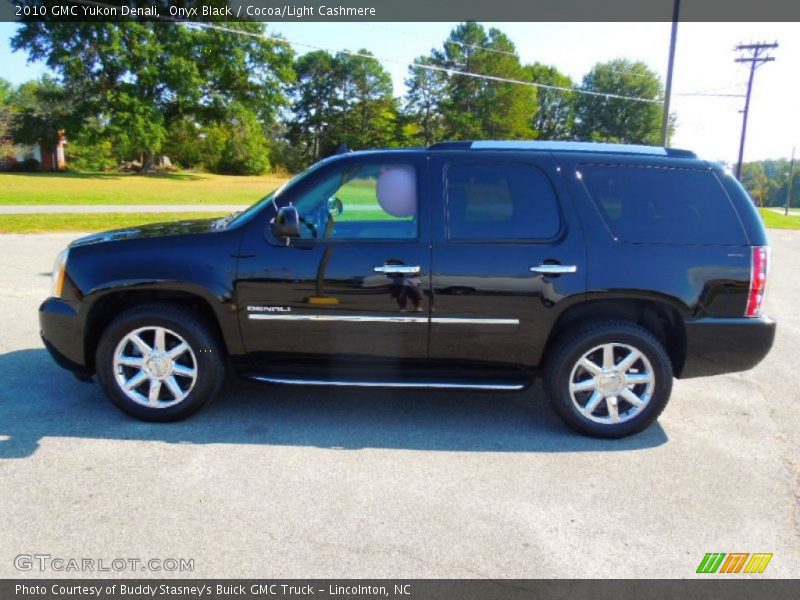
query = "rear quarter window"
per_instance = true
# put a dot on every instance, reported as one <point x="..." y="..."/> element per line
<point x="662" y="205"/>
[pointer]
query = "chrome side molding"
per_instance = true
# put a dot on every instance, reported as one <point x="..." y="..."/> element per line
<point x="351" y="318"/>
<point x="476" y="321"/>
<point x="370" y="319"/>
<point x="388" y="384"/>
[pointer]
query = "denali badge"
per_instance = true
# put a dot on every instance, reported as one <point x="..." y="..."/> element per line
<point x="269" y="309"/>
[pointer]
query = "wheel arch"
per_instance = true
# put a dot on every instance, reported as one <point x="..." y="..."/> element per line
<point x="109" y="305"/>
<point x="659" y="317"/>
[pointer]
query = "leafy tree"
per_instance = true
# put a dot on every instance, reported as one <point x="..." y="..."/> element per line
<point x="367" y="107"/>
<point x="475" y="107"/>
<point x="756" y="182"/>
<point x="6" y="92"/>
<point x="6" y="118"/>
<point x="91" y="148"/>
<point x="142" y="77"/>
<point x="245" y="151"/>
<point x="315" y="94"/>
<point x="43" y="110"/>
<point x="555" y="111"/>
<point x="604" y="118"/>
<point x="183" y="143"/>
<point x="767" y="182"/>
<point x="425" y="95"/>
<point x="345" y="98"/>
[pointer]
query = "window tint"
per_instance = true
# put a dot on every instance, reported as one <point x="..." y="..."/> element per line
<point x="376" y="201"/>
<point x="496" y="201"/>
<point x="663" y="205"/>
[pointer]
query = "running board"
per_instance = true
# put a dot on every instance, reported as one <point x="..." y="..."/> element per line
<point x="388" y="384"/>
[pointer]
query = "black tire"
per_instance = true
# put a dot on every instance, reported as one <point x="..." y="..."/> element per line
<point x="206" y="357"/>
<point x="572" y="346"/>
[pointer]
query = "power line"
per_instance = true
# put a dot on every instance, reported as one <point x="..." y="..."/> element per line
<point x="453" y="42"/>
<point x="707" y="95"/>
<point x="756" y="58"/>
<point x="494" y="50"/>
<point x="730" y="86"/>
<point x="262" y="34"/>
<point x="429" y="67"/>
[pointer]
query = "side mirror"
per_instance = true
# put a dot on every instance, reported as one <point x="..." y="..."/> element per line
<point x="286" y="223"/>
<point x="335" y="206"/>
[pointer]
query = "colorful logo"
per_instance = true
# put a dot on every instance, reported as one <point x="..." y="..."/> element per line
<point x="734" y="562"/>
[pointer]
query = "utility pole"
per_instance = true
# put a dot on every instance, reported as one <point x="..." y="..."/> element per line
<point x="789" y="185"/>
<point x="676" y="11"/>
<point x="756" y="59"/>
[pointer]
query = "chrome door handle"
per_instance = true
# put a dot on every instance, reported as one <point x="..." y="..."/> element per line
<point x="554" y="269"/>
<point x="399" y="269"/>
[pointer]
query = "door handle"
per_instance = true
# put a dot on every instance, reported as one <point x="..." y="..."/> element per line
<point x="554" y="269"/>
<point x="400" y="269"/>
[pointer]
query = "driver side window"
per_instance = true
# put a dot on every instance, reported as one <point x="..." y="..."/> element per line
<point x="362" y="202"/>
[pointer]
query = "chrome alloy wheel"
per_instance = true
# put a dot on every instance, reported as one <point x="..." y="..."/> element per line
<point x="611" y="383"/>
<point x="155" y="367"/>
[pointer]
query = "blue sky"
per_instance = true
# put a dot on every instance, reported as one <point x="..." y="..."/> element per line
<point x="704" y="63"/>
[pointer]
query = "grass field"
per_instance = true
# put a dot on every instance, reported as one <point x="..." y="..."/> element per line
<point x="178" y="188"/>
<point x="44" y="223"/>
<point x="116" y="188"/>
<point x="774" y="220"/>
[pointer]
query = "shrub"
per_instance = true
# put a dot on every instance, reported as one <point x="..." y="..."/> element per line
<point x="29" y="165"/>
<point x="86" y="155"/>
<point x="184" y="145"/>
<point x="237" y="147"/>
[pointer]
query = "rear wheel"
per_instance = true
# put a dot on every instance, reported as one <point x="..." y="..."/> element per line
<point x="609" y="379"/>
<point x="159" y="362"/>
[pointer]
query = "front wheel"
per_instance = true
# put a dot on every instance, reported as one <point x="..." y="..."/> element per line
<point x="609" y="379"/>
<point x="159" y="362"/>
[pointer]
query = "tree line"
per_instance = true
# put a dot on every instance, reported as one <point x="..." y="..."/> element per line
<point x="767" y="182"/>
<point x="230" y="99"/>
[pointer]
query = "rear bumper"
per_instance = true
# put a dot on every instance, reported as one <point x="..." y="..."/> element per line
<point x="61" y="328"/>
<point x="716" y="346"/>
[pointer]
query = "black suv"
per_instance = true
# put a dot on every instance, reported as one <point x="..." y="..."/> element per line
<point x="608" y="269"/>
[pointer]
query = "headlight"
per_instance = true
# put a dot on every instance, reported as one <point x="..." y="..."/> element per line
<point x="59" y="269"/>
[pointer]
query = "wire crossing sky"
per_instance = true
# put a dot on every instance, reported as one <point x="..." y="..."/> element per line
<point x="707" y="88"/>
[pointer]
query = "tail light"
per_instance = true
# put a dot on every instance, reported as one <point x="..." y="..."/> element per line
<point x="759" y="267"/>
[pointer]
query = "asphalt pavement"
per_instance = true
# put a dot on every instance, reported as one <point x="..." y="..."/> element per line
<point x="274" y="481"/>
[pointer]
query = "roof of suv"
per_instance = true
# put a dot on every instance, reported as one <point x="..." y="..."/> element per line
<point x="560" y="146"/>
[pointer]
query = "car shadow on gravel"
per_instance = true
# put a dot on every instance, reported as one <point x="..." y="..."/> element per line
<point x="40" y="400"/>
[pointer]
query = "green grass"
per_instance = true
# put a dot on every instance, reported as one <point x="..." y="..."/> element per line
<point x="118" y="188"/>
<point x="774" y="220"/>
<point x="91" y="222"/>
<point x="360" y="202"/>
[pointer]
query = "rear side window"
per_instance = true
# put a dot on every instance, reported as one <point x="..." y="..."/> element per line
<point x="663" y="205"/>
<point x="500" y="201"/>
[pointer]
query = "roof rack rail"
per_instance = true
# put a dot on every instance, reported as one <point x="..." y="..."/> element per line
<point x="450" y="146"/>
<point x="545" y="145"/>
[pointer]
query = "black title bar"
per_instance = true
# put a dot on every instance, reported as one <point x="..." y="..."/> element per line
<point x="399" y="10"/>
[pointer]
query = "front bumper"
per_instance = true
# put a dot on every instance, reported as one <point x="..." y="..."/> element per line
<point x="61" y="328"/>
<point x="716" y="346"/>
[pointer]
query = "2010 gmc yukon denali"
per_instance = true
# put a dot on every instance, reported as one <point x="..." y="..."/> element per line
<point x="607" y="269"/>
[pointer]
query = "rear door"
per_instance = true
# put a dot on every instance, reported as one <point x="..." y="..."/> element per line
<point x="508" y="255"/>
<point x="356" y="284"/>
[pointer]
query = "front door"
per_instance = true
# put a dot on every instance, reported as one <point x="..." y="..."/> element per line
<point x="508" y="255"/>
<point x="356" y="284"/>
